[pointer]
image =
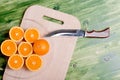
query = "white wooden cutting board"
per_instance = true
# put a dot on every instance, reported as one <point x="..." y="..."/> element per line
<point x="56" y="62"/>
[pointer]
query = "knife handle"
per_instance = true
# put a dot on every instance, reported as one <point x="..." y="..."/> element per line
<point x="98" y="34"/>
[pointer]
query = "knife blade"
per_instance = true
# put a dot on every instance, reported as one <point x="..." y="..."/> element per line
<point x="80" y="33"/>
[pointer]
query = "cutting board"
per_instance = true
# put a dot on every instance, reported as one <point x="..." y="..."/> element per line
<point x="56" y="62"/>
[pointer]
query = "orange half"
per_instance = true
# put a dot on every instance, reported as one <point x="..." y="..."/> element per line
<point x="8" y="47"/>
<point x="15" y="62"/>
<point x="25" y="49"/>
<point x="16" y="33"/>
<point x="33" y="62"/>
<point x="31" y="35"/>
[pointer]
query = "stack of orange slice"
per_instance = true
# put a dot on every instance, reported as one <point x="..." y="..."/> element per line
<point x="29" y="50"/>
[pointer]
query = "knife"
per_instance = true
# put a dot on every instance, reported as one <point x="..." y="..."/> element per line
<point x="80" y="33"/>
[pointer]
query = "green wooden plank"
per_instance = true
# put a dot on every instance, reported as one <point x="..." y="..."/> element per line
<point x="87" y="62"/>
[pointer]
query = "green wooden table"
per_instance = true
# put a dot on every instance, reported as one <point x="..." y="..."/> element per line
<point x="93" y="59"/>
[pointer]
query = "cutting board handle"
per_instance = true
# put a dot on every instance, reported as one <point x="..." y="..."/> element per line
<point x="38" y="13"/>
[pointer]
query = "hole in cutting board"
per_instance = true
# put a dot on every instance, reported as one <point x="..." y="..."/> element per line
<point x="53" y="20"/>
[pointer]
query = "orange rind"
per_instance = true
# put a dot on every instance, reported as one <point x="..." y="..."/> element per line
<point x="41" y="47"/>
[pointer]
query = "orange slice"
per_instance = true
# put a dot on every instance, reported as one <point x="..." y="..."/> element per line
<point x="16" y="33"/>
<point x="31" y="35"/>
<point x="8" y="47"/>
<point x="41" y="47"/>
<point x="25" y="49"/>
<point x="15" y="62"/>
<point x="33" y="62"/>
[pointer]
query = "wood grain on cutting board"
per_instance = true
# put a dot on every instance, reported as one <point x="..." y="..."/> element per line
<point x="56" y="62"/>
